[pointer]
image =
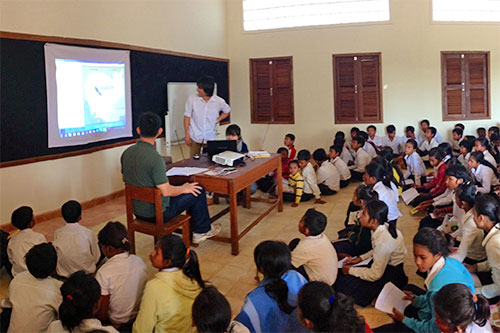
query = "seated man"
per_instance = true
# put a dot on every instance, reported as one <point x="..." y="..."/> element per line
<point x="142" y="166"/>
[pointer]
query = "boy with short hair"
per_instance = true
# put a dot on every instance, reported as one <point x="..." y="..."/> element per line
<point x="22" y="241"/>
<point x="481" y="132"/>
<point x="310" y="180"/>
<point x="288" y="142"/>
<point x="393" y="141"/>
<point x="428" y="143"/>
<point x="492" y="130"/>
<point x="461" y="126"/>
<point x="369" y="147"/>
<point x="457" y="135"/>
<point x="415" y="167"/>
<point x="354" y="133"/>
<point x="327" y="175"/>
<point x="345" y="154"/>
<point x="314" y="254"/>
<point x="33" y="295"/>
<point x="424" y="125"/>
<point x="361" y="161"/>
<point x="372" y="137"/>
<point x="294" y="192"/>
<point x="76" y="246"/>
<point x="410" y="134"/>
<point x="340" y="165"/>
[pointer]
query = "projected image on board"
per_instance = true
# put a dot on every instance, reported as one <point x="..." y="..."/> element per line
<point x="88" y="94"/>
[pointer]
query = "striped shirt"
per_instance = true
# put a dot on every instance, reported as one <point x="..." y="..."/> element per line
<point x="297" y="182"/>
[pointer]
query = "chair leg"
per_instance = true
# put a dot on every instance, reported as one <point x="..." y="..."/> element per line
<point x="131" y="239"/>
<point x="186" y="234"/>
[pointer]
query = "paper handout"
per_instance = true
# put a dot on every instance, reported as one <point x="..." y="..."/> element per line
<point x="409" y="195"/>
<point x="185" y="171"/>
<point x="391" y="297"/>
<point x="363" y="263"/>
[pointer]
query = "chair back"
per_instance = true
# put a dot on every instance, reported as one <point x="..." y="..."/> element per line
<point x="147" y="194"/>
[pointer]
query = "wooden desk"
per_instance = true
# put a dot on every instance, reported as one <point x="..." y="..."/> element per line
<point x="231" y="185"/>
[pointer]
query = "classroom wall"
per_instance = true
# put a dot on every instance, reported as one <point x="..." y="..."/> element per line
<point x="190" y="26"/>
<point x="411" y="72"/>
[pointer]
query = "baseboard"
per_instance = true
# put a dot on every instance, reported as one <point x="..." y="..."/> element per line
<point x="57" y="212"/>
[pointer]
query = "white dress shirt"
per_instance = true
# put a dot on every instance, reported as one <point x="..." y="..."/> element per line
<point x="87" y="325"/>
<point x="486" y="177"/>
<point x="437" y="137"/>
<point x="34" y="302"/>
<point x="489" y="158"/>
<point x="397" y="144"/>
<point x="123" y="278"/>
<point x="492" y="245"/>
<point x="310" y="181"/>
<point x="77" y="249"/>
<point x="346" y="154"/>
<point x="415" y="166"/>
<point x="204" y="116"/>
<point x="319" y="258"/>
<point x="328" y="175"/>
<point x="427" y="145"/>
<point x="342" y="168"/>
<point x="390" y="198"/>
<point x="386" y="251"/>
<point x="464" y="160"/>
<point x="377" y="140"/>
<point x="471" y="239"/>
<point x="19" y="245"/>
<point x="455" y="144"/>
<point x="370" y="149"/>
<point x="361" y="161"/>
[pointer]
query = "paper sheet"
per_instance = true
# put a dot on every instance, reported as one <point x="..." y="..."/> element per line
<point x="185" y="171"/>
<point x="391" y="297"/>
<point x="363" y="263"/>
<point x="409" y="195"/>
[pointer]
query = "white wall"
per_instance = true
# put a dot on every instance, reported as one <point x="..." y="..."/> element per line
<point x="410" y="45"/>
<point x="191" y="26"/>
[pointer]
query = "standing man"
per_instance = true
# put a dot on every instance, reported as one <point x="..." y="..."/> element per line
<point x="142" y="166"/>
<point x="202" y="114"/>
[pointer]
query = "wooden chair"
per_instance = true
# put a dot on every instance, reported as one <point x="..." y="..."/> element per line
<point x="158" y="229"/>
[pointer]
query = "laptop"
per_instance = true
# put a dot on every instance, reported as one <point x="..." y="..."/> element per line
<point x="218" y="146"/>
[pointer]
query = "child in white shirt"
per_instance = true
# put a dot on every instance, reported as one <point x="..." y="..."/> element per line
<point x="327" y="175"/>
<point x="485" y="174"/>
<point x="415" y="168"/>
<point x="22" y="241"/>
<point x="481" y="144"/>
<point x="309" y="175"/>
<point x="362" y="159"/>
<point x="393" y="141"/>
<point x="122" y="278"/>
<point x="76" y="246"/>
<point x="33" y="295"/>
<point x="465" y="150"/>
<point x="372" y="137"/>
<point x="429" y="143"/>
<point x="345" y="174"/>
<point x="457" y="134"/>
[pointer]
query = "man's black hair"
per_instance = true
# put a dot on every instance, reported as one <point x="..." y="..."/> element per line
<point x="371" y="126"/>
<point x="425" y="121"/>
<point x="71" y="211"/>
<point x="149" y="124"/>
<point x="337" y="148"/>
<point x="290" y="136"/>
<point x="314" y="221"/>
<point x="433" y="130"/>
<point x="207" y="84"/>
<point x="413" y="143"/>
<point x="460" y="125"/>
<point x="391" y="129"/>
<point x="304" y="155"/>
<point x="281" y="149"/>
<point x="458" y="131"/>
<point x="410" y="128"/>
<point x="355" y="129"/>
<point x="22" y="217"/>
<point x="41" y="260"/>
<point x="360" y="140"/>
<point x="319" y="155"/>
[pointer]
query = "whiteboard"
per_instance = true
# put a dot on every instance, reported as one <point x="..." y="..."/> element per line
<point x="177" y="94"/>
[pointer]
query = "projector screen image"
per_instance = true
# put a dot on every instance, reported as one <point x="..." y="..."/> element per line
<point x="88" y="94"/>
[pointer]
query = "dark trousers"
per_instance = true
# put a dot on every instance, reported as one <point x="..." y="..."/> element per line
<point x="344" y="183"/>
<point x="290" y="197"/>
<point x="197" y="207"/>
<point x="345" y="246"/>
<point x="325" y="190"/>
<point x="358" y="176"/>
<point x="428" y="221"/>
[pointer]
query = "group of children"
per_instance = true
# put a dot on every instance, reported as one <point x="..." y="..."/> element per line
<point x="83" y="283"/>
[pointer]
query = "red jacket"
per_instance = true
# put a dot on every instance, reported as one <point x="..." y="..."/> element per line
<point x="438" y="183"/>
<point x="291" y="153"/>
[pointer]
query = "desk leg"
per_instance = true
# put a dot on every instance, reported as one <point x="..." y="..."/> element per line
<point x="248" y="201"/>
<point x="233" y="211"/>
<point x="280" y="188"/>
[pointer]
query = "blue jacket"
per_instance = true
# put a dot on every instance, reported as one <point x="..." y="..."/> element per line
<point x="452" y="272"/>
<point x="261" y="313"/>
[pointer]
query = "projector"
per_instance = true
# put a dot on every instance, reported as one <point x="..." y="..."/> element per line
<point x="227" y="158"/>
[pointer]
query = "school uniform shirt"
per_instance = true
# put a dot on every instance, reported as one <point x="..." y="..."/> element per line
<point x="297" y="183"/>
<point x="166" y="303"/>
<point x="361" y="161"/>
<point x="328" y="175"/>
<point x="386" y="251"/>
<point x="203" y="116"/>
<point x="19" y="245"/>
<point x="310" y="181"/>
<point x="455" y="144"/>
<point x="464" y="160"/>
<point x="437" y="137"/>
<point x="475" y="328"/>
<point x="370" y="149"/>
<point x="485" y="176"/>
<point x="489" y="158"/>
<point x="87" y="325"/>
<point x="427" y="145"/>
<point x="123" y="278"/>
<point x="492" y="245"/>
<point x="342" y="168"/>
<point x="415" y="166"/>
<point x="444" y="272"/>
<point x="397" y="144"/>
<point x="318" y="257"/>
<point x="471" y="239"/>
<point x="444" y="199"/>
<point x="261" y="313"/>
<point x="346" y="155"/>
<point x="34" y="302"/>
<point x="377" y="140"/>
<point x="77" y="249"/>
<point x="390" y="197"/>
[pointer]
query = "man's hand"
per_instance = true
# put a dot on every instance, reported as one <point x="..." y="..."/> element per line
<point x="187" y="139"/>
<point x="409" y="296"/>
<point x="396" y="315"/>
<point x="345" y="269"/>
<point x="191" y="188"/>
<point x="351" y="261"/>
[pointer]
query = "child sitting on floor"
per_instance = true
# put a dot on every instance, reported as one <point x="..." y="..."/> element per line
<point x="415" y="168"/>
<point x="393" y="141"/>
<point x="288" y="142"/>
<point x="233" y="132"/>
<point x="465" y="150"/>
<point x="485" y="174"/>
<point x="76" y="246"/>
<point x="23" y="240"/>
<point x="294" y="191"/>
<point x="428" y="143"/>
<point x="328" y="177"/>
<point x="437" y="185"/>
<point x="340" y="165"/>
<point x="482" y="145"/>
<point x="361" y="160"/>
<point x="457" y="134"/>
<point x="33" y="295"/>
<point x="310" y="181"/>
<point x="314" y="255"/>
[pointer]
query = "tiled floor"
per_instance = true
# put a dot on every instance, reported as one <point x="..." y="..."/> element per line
<point x="234" y="275"/>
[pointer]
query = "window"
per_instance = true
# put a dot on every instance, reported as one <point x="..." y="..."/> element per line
<point x="466" y="10"/>
<point x="357" y="88"/>
<point x="272" y="90"/>
<point x="275" y="14"/>
<point x="465" y="85"/>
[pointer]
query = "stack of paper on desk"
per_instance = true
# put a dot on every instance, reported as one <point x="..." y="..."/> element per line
<point x="185" y="171"/>
<point x="258" y="154"/>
